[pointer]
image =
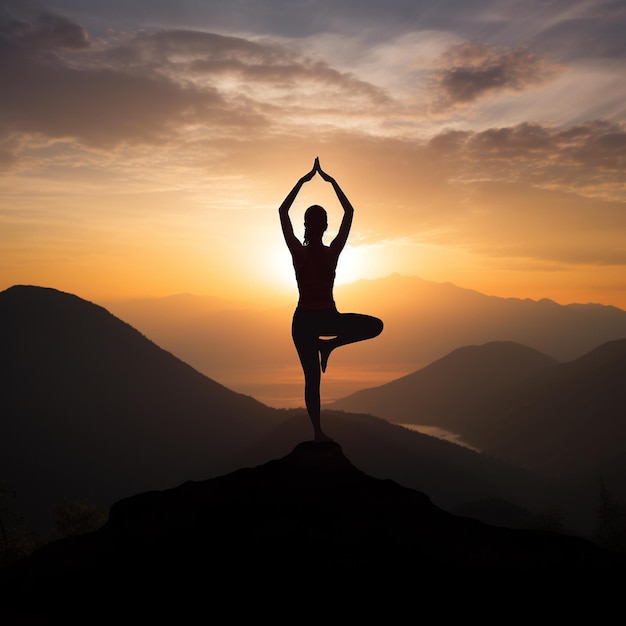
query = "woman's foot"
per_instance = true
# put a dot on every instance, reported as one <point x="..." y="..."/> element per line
<point x="325" y="350"/>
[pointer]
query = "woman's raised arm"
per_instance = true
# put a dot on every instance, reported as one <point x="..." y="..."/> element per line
<point x="283" y="211"/>
<point x="348" y="211"/>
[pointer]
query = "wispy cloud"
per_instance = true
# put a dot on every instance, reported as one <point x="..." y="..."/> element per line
<point x="47" y="31"/>
<point x="470" y="71"/>
<point x="61" y="88"/>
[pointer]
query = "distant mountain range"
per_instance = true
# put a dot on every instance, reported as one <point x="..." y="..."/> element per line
<point x="424" y="321"/>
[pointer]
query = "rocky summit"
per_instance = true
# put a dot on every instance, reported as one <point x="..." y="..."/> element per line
<point x="309" y="514"/>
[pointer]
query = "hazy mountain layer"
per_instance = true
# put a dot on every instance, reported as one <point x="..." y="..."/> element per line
<point x="424" y="321"/>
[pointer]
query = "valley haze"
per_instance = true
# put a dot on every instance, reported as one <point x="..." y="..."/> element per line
<point x="248" y="347"/>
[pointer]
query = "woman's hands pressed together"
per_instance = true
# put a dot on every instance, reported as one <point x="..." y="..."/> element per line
<point x="317" y="168"/>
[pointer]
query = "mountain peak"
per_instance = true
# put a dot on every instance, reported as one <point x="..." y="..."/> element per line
<point x="32" y="292"/>
<point x="80" y="387"/>
<point x="326" y="455"/>
<point x="467" y="375"/>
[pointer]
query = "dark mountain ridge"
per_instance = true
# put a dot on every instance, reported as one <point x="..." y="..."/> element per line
<point x="566" y="421"/>
<point x="91" y="406"/>
<point x="442" y="393"/>
<point x="580" y="410"/>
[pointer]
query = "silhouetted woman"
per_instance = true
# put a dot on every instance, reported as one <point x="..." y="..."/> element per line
<point x="316" y="315"/>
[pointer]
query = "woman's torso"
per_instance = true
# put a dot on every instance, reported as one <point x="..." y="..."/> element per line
<point x="315" y="275"/>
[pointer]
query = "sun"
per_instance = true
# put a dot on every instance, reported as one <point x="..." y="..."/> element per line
<point x="352" y="266"/>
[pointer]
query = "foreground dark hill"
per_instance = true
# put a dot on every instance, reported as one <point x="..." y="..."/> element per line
<point x="445" y="392"/>
<point x="92" y="409"/>
<point x="310" y="518"/>
<point x="451" y="475"/>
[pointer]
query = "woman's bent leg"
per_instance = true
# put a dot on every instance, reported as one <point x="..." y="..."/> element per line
<point x="348" y="328"/>
<point x="307" y="328"/>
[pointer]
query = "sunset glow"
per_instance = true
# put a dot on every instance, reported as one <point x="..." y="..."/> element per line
<point x="145" y="150"/>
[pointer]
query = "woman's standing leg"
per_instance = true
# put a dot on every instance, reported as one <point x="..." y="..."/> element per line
<point x="305" y="337"/>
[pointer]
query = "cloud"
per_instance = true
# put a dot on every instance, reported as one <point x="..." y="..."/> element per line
<point x="48" y="31"/>
<point x="588" y="158"/>
<point x="155" y="87"/>
<point x="596" y="145"/>
<point x="100" y="107"/>
<point x="57" y="87"/>
<point x="265" y="71"/>
<point x="583" y="30"/>
<point x="471" y="71"/>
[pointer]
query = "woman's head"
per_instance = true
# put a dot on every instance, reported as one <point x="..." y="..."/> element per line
<point x="315" y="223"/>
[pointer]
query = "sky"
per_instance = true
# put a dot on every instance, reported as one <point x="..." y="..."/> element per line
<point x="145" y="145"/>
